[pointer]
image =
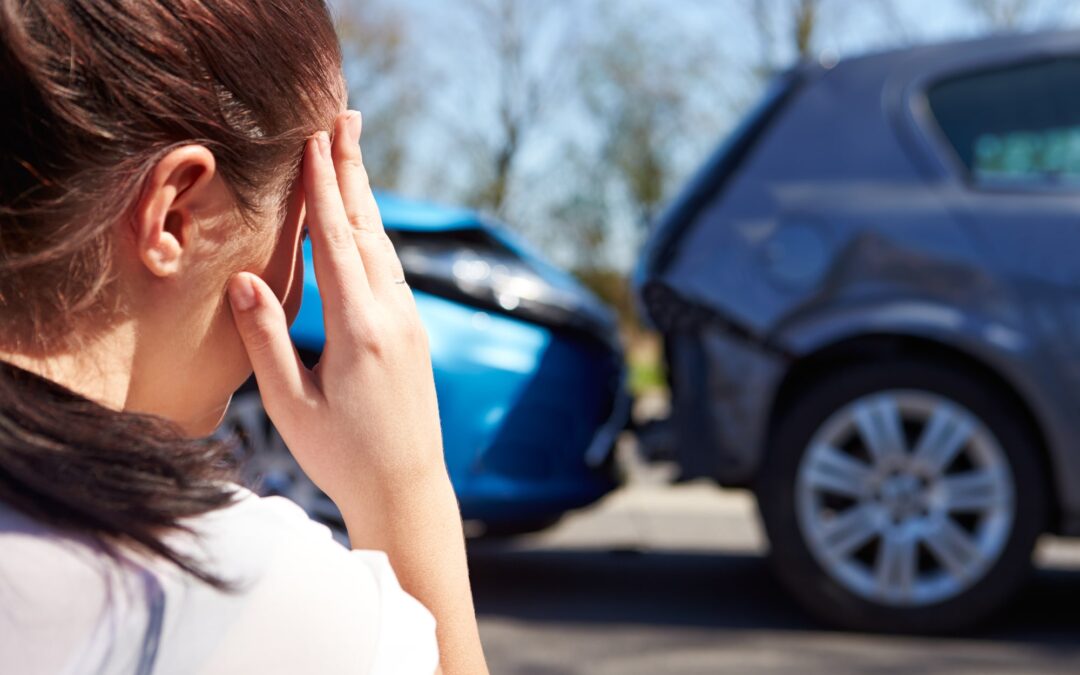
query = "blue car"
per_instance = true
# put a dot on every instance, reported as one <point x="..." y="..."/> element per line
<point x="528" y="369"/>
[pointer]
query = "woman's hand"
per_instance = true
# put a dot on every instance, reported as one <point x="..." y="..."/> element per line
<point x="364" y="423"/>
<point x="365" y="418"/>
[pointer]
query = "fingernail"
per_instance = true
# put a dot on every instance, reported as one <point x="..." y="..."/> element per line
<point x="241" y="293"/>
<point x="323" y="139"/>
<point x="353" y="126"/>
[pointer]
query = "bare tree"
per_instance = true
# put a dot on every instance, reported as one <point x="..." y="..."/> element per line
<point x="633" y="104"/>
<point x="1005" y="14"/>
<point x="521" y="62"/>
<point x="583" y="215"/>
<point x="384" y="84"/>
<point x="1011" y="15"/>
<point x="783" y="25"/>
<point x="643" y="82"/>
<point x="797" y="30"/>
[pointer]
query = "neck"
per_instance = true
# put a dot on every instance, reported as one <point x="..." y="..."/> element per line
<point x="100" y="370"/>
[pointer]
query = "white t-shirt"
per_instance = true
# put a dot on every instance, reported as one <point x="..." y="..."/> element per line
<point x="303" y="603"/>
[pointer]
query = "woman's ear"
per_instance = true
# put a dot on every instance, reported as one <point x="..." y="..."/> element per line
<point x="177" y="188"/>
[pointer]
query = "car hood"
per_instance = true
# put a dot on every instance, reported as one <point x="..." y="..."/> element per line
<point x="407" y="215"/>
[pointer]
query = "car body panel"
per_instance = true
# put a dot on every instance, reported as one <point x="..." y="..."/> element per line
<point x="815" y="239"/>
<point x="523" y="406"/>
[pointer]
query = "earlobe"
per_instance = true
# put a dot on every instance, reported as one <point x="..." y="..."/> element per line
<point x="162" y="251"/>
<point x="173" y="194"/>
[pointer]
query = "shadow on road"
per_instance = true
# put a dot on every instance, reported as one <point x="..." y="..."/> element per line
<point x="709" y="590"/>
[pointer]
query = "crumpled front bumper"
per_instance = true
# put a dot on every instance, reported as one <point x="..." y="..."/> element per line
<point x="723" y="380"/>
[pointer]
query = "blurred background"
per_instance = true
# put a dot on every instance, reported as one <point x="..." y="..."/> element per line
<point x="678" y="257"/>
<point x="576" y="121"/>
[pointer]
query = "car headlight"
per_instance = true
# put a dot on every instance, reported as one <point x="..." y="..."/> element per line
<point x="474" y="267"/>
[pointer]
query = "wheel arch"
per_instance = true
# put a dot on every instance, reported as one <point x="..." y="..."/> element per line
<point x="873" y="347"/>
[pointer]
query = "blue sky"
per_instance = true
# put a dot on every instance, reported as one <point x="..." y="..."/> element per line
<point x="459" y="84"/>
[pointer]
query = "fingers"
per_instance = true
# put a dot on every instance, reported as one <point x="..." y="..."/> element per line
<point x="284" y="382"/>
<point x="360" y="206"/>
<point x="380" y="261"/>
<point x="339" y="268"/>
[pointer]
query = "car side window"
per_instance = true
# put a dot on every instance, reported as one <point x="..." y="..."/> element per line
<point x="1018" y="124"/>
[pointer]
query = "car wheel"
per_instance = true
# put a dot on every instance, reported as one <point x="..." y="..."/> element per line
<point x="902" y="496"/>
<point x="268" y="467"/>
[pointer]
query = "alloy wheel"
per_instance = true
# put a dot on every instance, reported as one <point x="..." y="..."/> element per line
<point x="905" y="498"/>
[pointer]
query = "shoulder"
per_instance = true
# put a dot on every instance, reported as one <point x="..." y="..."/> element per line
<point x="306" y="599"/>
<point x="300" y="602"/>
<point x="60" y="597"/>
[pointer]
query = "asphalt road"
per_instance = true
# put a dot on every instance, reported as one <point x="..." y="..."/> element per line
<point x="661" y="579"/>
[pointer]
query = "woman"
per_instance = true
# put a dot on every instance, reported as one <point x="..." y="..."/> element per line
<point x="161" y="161"/>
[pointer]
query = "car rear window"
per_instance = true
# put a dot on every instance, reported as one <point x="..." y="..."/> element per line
<point x="1017" y="124"/>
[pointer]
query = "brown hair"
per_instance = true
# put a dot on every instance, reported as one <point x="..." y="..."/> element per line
<point x="92" y="94"/>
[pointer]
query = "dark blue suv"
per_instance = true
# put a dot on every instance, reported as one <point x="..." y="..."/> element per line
<point x="871" y="302"/>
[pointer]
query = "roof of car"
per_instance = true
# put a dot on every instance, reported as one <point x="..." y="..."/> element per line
<point x="969" y="52"/>
<point x="407" y="214"/>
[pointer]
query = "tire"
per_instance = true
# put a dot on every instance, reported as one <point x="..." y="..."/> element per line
<point x="924" y="541"/>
